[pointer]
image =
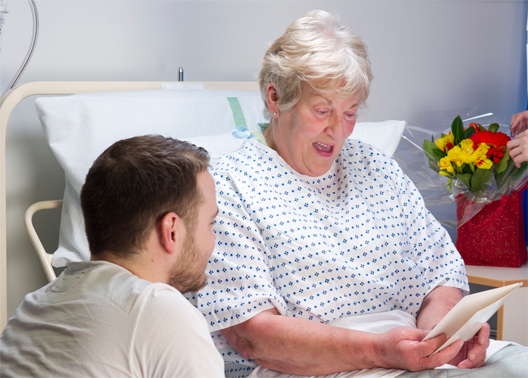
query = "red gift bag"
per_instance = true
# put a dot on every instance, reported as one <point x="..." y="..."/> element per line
<point x="495" y="235"/>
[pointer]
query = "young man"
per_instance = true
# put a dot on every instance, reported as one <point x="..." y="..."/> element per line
<point x="149" y="205"/>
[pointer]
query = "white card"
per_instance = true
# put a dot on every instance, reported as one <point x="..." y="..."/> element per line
<point x="467" y="316"/>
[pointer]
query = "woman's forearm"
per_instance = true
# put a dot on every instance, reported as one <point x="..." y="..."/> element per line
<point x="298" y="346"/>
<point x="436" y="305"/>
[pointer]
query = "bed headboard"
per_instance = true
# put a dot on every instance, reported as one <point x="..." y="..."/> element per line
<point x="14" y="96"/>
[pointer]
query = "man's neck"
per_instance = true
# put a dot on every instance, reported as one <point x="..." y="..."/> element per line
<point x="138" y="264"/>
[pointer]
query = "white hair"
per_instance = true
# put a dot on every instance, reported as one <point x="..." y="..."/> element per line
<point x="318" y="50"/>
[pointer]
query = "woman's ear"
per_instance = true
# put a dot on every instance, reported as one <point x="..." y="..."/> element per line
<point x="172" y="233"/>
<point x="272" y="98"/>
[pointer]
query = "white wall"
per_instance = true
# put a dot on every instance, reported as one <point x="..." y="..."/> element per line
<point x="432" y="60"/>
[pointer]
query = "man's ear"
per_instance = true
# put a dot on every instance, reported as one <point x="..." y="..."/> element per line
<point x="272" y="98"/>
<point x="172" y="232"/>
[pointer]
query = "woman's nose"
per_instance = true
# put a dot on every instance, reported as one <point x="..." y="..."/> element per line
<point x="336" y="127"/>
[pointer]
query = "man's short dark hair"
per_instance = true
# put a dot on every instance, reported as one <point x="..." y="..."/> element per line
<point x="134" y="184"/>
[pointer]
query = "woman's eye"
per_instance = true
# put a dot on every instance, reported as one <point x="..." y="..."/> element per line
<point x="350" y="115"/>
<point x="321" y="112"/>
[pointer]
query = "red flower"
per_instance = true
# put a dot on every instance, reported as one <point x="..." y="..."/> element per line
<point x="474" y="125"/>
<point x="496" y="142"/>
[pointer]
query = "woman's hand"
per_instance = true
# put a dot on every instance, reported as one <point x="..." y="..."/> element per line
<point x="519" y="123"/>
<point x="518" y="148"/>
<point x="403" y="348"/>
<point x="473" y="353"/>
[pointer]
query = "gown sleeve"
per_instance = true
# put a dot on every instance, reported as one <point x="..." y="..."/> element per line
<point x="240" y="283"/>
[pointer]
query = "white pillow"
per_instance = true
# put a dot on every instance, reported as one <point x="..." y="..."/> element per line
<point x="80" y="127"/>
<point x="385" y="136"/>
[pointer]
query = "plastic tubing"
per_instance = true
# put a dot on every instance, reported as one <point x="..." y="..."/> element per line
<point x="3" y="12"/>
<point x="34" y="37"/>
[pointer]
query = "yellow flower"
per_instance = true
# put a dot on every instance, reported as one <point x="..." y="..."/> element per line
<point x="445" y="164"/>
<point x="480" y="157"/>
<point x="446" y="141"/>
<point x="460" y="156"/>
<point x="467" y="145"/>
<point x="484" y="164"/>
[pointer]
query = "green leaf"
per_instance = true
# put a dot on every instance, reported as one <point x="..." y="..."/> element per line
<point x="510" y="176"/>
<point x="520" y="173"/>
<point x="457" y="128"/>
<point x="433" y="164"/>
<point x="481" y="128"/>
<point x="432" y="151"/>
<point x="503" y="163"/>
<point x="465" y="178"/>
<point x="494" y="127"/>
<point x="480" y="179"/>
<point x="506" y="177"/>
<point x="468" y="132"/>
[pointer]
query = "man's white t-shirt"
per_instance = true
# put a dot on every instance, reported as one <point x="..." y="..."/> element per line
<point x="98" y="319"/>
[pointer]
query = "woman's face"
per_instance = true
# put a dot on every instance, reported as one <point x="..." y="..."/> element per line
<point x="310" y="136"/>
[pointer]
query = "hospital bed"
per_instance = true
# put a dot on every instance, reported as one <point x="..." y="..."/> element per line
<point x="206" y="112"/>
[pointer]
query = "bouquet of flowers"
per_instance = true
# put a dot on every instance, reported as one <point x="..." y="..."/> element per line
<point x="476" y="162"/>
<point x="484" y="181"/>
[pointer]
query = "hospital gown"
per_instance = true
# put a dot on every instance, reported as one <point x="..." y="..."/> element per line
<point x="354" y="243"/>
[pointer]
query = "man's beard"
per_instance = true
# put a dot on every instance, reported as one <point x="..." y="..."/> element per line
<point x="188" y="272"/>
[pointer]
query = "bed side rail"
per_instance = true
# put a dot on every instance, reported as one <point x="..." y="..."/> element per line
<point x="44" y="257"/>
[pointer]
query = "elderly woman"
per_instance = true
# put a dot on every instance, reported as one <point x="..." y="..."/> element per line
<point x="326" y="259"/>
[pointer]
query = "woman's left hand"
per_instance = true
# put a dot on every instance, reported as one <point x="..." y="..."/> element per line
<point x="473" y="353"/>
<point x="434" y="307"/>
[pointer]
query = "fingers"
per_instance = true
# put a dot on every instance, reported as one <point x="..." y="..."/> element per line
<point x="404" y="349"/>
<point x="443" y="357"/>
<point x="433" y="344"/>
<point x="514" y="124"/>
<point x="518" y="148"/>
<point x="516" y="153"/>
<point x="446" y="355"/>
<point x="476" y="355"/>
<point x="518" y="122"/>
<point x="483" y="335"/>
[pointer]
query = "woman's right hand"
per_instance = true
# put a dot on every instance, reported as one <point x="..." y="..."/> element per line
<point x="403" y="348"/>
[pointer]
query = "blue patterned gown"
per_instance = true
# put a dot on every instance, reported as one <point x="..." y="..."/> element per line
<point x="356" y="243"/>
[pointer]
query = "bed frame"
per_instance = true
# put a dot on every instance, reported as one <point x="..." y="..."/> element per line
<point x="7" y="103"/>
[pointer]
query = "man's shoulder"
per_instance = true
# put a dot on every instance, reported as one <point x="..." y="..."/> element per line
<point x="165" y="299"/>
<point x="102" y="283"/>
